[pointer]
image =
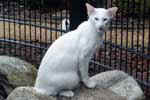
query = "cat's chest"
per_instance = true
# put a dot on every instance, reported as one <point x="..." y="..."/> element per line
<point x="87" y="47"/>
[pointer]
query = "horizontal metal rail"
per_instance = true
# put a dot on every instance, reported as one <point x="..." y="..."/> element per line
<point x="22" y="22"/>
<point x="28" y="43"/>
<point x="52" y="18"/>
<point x="23" y="43"/>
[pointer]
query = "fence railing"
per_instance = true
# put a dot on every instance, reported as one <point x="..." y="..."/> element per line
<point x="27" y="31"/>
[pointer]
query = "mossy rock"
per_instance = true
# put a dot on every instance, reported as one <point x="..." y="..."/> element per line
<point x="18" y="72"/>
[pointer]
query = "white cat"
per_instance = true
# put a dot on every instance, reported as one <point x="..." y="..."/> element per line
<point x="67" y="60"/>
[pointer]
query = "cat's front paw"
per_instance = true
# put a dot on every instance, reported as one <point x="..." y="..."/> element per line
<point x="90" y="84"/>
<point x="67" y="93"/>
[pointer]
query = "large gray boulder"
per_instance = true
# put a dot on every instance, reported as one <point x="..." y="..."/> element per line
<point x="17" y="72"/>
<point x="120" y="83"/>
<point x="111" y="85"/>
<point x="29" y="93"/>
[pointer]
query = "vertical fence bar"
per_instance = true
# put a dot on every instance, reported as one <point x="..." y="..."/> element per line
<point x="50" y="24"/>
<point x="35" y="29"/>
<point x="24" y="18"/>
<point x="148" y="61"/>
<point x="35" y="32"/>
<point x="4" y="27"/>
<point x="68" y="14"/>
<point x="137" y="41"/>
<point x="55" y="23"/>
<point x="8" y="35"/>
<point x="121" y="42"/>
<point x="105" y="35"/>
<point x="30" y="30"/>
<point x="45" y="22"/>
<point x="61" y="19"/>
<point x="143" y="45"/>
<point x="105" y="49"/>
<point x="19" y="14"/>
<point x="132" y="36"/>
<point x="116" y="38"/>
<point x="127" y="38"/>
<point x="41" y="40"/>
<point x="131" y="60"/>
<point x="40" y="20"/>
<point x="138" y="36"/>
<point x="8" y="17"/>
<point x="14" y="25"/>
<point x="110" y="46"/>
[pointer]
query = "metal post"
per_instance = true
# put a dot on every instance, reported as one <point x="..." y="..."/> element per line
<point x="77" y="13"/>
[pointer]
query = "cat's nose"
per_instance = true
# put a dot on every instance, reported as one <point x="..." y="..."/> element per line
<point x="101" y="28"/>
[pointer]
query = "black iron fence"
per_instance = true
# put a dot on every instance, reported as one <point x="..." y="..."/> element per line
<point x="28" y="27"/>
<point x="26" y="31"/>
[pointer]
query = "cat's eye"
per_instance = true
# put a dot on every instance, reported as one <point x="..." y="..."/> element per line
<point x="96" y="18"/>
<point x="105" y="19"/>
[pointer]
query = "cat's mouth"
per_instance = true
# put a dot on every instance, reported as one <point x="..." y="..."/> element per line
<point x="101" y="29"/>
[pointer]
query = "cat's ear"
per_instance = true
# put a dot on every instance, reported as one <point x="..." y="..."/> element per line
<point x="112" y="11"/>
<point x="90" y="9"/>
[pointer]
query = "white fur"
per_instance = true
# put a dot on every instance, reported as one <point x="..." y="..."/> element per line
<point x="66" y="62"/>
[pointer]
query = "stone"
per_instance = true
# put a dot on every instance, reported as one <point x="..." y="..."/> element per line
<point x="18" y="72"/>
<point x="111" y="85"/>
<point x="109" y="78"/>
<point x="129" y="88"/>
<point x="120" y="83"/>
<point x="5" y="87"/>
<point x="82" y="93"/>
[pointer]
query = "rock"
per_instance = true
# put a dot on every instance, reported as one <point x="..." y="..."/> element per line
<point x="129" y="88"/>
<point x="109" y="78"/>
<point x="120" y="83"/>
<point x="18" y="72"/>
<point x="111" y="85"/>
<point x="29" y="93"/>
<point x="5" y="87"/>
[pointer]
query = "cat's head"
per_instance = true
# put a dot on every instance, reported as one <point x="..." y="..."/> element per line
<point x="100" y="17"/>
